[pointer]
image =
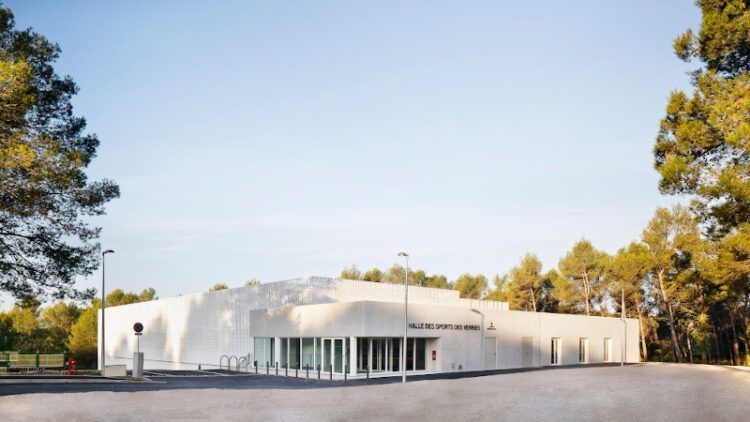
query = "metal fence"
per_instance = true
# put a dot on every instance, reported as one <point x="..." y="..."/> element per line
<point x="13" y="360"/>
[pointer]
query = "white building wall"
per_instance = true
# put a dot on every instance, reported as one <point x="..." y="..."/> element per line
<point x="456" y="349"/>
<point x="185" y="331"/>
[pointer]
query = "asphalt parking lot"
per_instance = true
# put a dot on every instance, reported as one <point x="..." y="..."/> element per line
<point x="181" y="380"/>
<point x="653" y="392"/>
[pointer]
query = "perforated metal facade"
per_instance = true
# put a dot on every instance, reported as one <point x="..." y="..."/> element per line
<point x="186" y="331"/>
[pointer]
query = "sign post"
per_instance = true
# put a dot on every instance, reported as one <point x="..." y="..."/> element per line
<point x="138" y="356"/>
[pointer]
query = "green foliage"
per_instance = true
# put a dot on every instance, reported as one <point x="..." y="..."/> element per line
<point x="437" y="281"/>
<point x="351" y="273"/>
<point x="82" y="342"/>
<point x="147" y="294"/>
<point x="627" y="270"/>
<point x="396" y="275"/>
<point x="45" y="197"/>
<point x="702" y="146"/>
<point x="59" y="319"/>
<point x="670" y="237"/>
<point x="8" y="335"/>
<point x="522" y="287"/>
<point x="218" y="286"/>
<point x="500" y="292"/>
<point x="374" y="275"/>
<point x="722" y="44"/>
<point x="584" y="267"/>
<point x="62" y="326"/>
<point x="118" y="297"/>
<point x="471" y="286"/>
<point x="252" y="282"/>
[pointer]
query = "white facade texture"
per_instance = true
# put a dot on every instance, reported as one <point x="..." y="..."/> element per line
<point x="357" y="327"/>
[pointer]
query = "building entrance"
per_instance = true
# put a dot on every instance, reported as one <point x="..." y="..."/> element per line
<point x="384" y="354"/>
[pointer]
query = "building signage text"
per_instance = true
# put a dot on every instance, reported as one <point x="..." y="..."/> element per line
<point x="442" y="326"/>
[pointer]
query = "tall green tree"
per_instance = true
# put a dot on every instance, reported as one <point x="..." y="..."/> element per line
<point x="437" y="281"/>
<point x="670" y="236"/>
<point x="374" y="275"/>
<point x="726" y="265"/>
<point x="46" y="199"/>
<point x="627" y="274"/>
<point x="524" y="289"/>
<point x="583" y="266"/>
<point x="149" y="293"/>
<point x="351" y="273"/>
<point x="8" y="335"/>
<point x="396" y="275"/>
<point x="702" y="148"/>
<point x="82" y="342"/>
<point x="58" y="319"/>
<point x="471" y="286"/>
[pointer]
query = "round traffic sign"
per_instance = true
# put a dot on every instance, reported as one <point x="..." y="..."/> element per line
<point x="138" y="327"/>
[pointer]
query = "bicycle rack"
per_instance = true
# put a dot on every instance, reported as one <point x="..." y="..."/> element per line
<point x="236" y="362"/>
<point x="221" y="359"/>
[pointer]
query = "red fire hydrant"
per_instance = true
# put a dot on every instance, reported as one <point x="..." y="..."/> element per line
<point x="71" y="365"/>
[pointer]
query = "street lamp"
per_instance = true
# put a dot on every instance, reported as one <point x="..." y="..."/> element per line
<point x="104" y="254"/>
<point x="623" y="346"/>
<point x="406" y="307"/>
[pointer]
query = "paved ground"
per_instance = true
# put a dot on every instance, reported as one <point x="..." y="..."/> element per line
<point x="639" y="392"/>
<point x="222" y="379"/>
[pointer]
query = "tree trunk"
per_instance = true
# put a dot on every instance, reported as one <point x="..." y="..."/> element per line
<point x="744" y="336"/>
<point x="673" y="331"/>
<point x="716" y="343"/>
<point x="689" y="346"/>
<point x="661" y="350"/>
<point x="644" y="347"/>
<point x="587" y="292"/>
<point x="735" y="342"/>
<point x="533" y="298"/>
<point x="729" y="349"/>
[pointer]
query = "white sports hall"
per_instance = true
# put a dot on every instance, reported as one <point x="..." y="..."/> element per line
<point x="357" y="327"/>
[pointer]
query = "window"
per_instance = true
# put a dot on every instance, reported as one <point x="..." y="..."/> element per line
<point x="263" y="350"/>
<point x="583" y="350"/>
<point x="608" y="349"/>
<point x="421" y="354"/>
<point x="294" y="352"/>
<point x="410" y="354"/>
<point x="284" y="352"/>
<point x="308" y="353"/>
<point x="555" y="351"/>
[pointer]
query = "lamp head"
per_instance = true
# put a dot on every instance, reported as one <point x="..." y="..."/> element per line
<point x="403" y="254"/>
<point x="108" y="251"/>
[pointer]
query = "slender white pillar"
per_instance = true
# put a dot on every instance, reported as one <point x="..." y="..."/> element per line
<point x="277" y="350"/>
<point x="369" y="354"/>
<point x="352" y="355"/>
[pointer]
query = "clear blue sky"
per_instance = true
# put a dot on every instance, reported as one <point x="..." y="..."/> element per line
<point x="282" y="139"/>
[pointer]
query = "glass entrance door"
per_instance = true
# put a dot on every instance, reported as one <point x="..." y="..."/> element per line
<point x="379" y="354"/>
<point x="333" y="355"/>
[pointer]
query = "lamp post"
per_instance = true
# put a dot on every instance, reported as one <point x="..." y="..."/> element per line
<point x="624" y="330"/>
<point x="104" y="254"/>
<point x="406" y="308"/>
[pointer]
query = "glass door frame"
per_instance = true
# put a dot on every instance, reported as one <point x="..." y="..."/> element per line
<point x="332" y="354"/>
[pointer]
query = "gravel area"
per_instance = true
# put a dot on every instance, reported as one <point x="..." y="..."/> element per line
<point x="654" y="392"/>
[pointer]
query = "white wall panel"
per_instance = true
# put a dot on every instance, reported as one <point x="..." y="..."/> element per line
<point x="185" y="331"/>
